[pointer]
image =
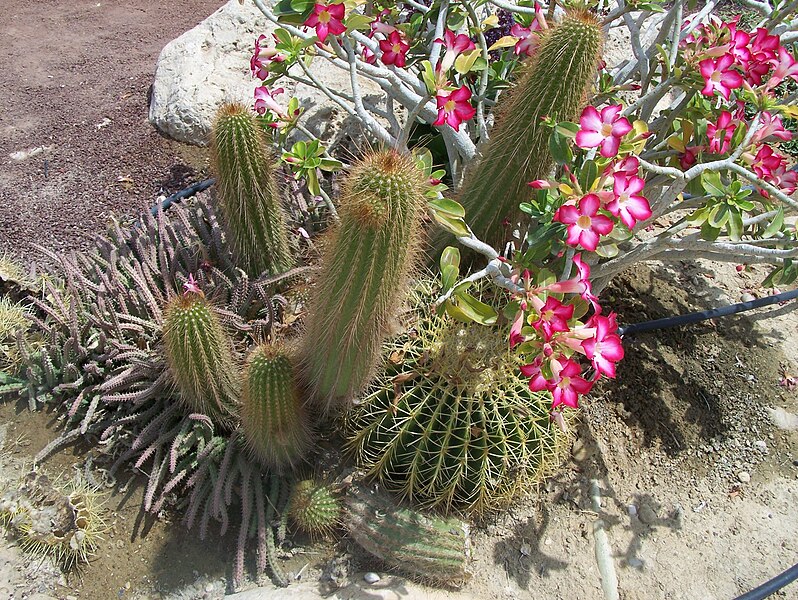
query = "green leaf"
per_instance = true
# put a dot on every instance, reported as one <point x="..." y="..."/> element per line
<point x="448" y="207"/>
<point x="719" y="215"/>
<point x="560" y="149"/>
<point x="424" y="160"/>
<point x="428" y="76"/>
<point x="330" y="164"/>
<point x="708" y="232"/>
<point x="482" y="313"/>
<point x="588" y="174"/>
<point x="450" y="257"/>
<point x="313" y="182"/>
<point x="282" y="35"/>
<point x="453" y="225"/>
<point x="465" y="62"/>
<point x="567" y="129"/>
<point x="358" y="21"/>
<point x="455" y="312"/>
<point x="712" y="184"/>
<point x="607" y="250"/>
<point x="449" y="274"/>
<point x="735" y="224"/>
<point x="506" y="41"/>
<point x="775" y="225"/>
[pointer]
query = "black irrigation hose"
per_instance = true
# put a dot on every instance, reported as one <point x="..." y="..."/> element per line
<point x="182" y="195"/>
<point x="772" y="586"/>
<point x="707" y="314"/>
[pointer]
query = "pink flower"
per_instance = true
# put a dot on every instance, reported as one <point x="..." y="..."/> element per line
<point x="454" y="107"/>
<point x="455" y="45"/>
<point x="568" y="385"/>
<point x="263" y="57"/>
<point x="720" y="133"/>
<point x="264" y="100"/>
<point x="771" y="127"/>
<point x="604" y="349"/>
<point x="628" y="205"/>
<point x="764" y="50"/>
<point x="783" y="178"/>
<point x="394" y="49"/>
<point x="719" y="76"/>
<point x="689" y="157"/>
<point x="554" y="316"/>
<point x="537" y="382"/>
<point x="528" y="40"/>
<point x="327" y="19"/>
<point x="605" y="129"/>
<point x="191" y="286"/>
<point x="515" y="330"/>
<point x="786" y="66"/>
<point x="580" y="284"/>
<point x="766" y="161"/>
<point x="629" y="166"/>
<point x="584" y="224"/>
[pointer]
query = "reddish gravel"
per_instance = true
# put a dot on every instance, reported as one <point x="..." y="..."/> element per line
<point x="75" y="79"/>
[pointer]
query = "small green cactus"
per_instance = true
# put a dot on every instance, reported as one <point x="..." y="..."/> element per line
<point x="363" y="273"/>
<point x="275" y="424"/>
<point x="313" y="508"/>
<point x="454" y="425"/>
<point x="554" y="84"/>
<point x="200" y="357"/>
<point x="248" y="192"/>
<point x="432" y="548"/>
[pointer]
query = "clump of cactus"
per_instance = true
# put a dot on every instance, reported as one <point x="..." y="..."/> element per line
<point x="248" y="192"/>
<point x="432" y="548"/>
<point x="273" y="418"/>
<point x="451" y="424"/>
<point x="200" y="357"/>
<point x="65" y="522"/>
<point x="554" y="84"/>
<point x="14" y="320"/>
<point x="313" y="508"/>
<point x="364" y="272"/>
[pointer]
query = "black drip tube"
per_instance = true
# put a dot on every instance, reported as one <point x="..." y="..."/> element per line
<point x="182" y="195"/>
<point x="772" y="586"/>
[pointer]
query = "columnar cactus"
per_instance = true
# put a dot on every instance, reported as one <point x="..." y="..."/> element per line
<point x="313" y="508"/>
<point x="273" y="418"/>
<point x="430" y="547"/>
<point x="200" y="357"/>
<point x="363" y="274"/>
<point x="454" y="425"/>
<point x="554" y="84"/>
<point x="248" y="192"/>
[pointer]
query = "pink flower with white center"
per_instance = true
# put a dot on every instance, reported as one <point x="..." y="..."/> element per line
<point x="327" y="19"/>
<point x="585" y="225"/>
<point x="455" y="45"/>
<point x="554" y="316"/>
<point x="454" y="107"/>
<point x="537" y="382"/>
<point x="720" y="133"/>
<point x="604" y="349"/>
<point x="263" y="57"/>
<point x="605" y="129"/>
<point x="771" y="126"/>
<point x="785" y="66"/>
<point x="394" y="49"/>
<point x="580" y="284"/>
<point x="368" y="55"/>
<point x="719" y="76"/>
<point x="528" y="40"/>
<point x="628" y="205"/>
<point x="783" y="178"/>
<point x="629" y="166"/>
<point x="568" y="384"/>
<point x="264" y="100"/>
<point x="766" y="161"/>
<point x="191" y="286"/>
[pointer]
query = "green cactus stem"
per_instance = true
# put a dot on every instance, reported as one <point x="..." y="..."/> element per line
<point x="554" y="84"/>
<point x="313" y="508"/>
<point x="248" y="192"/>
<point x="275" y="424"/>
<point x="364" y="271"/>
<point x="432" y="548"/>
<point x="453" y="425"/>
<point x="200" y="357"/>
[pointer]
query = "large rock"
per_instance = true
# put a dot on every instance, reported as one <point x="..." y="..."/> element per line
<point x="209" y="65"/>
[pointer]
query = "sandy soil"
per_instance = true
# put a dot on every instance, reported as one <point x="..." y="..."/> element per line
<point x="698" y="486"/>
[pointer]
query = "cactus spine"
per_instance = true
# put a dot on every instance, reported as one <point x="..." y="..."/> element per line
<point x="554" y="84"/>
<point x="200" y="357"/>
<point x="363" y="272"/>
<point x="272" y="415"/>
<point x="248" y="192"/>
<point x="313" y="508"/>
<point x="432" y="548"/>
<point x="454" y="426"/>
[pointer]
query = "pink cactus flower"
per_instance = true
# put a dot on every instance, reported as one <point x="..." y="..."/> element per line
<point x="628" y="205"/>
<point x="720" y="133"/>
<point x="455" y="45"/>
<point x="394" y="50"/>
<point x="605" y="129"/>
<point x="191" y="286"/>
<point x="454" y="107"/>
<point x="264" y="100"/>
<point x="585" y="225"/>
<point x="554" y="317"/>
<point x="719" y="76"/>
<point x="604" y="349"/>
<point x="327" y="19"/>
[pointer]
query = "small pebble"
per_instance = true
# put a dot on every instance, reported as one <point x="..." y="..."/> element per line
<point x="747" y="297"/>
<point x="631" y="510"/>
<point x="209" y="588"/>
<point x="744" y="476"/>
<point x="371" y="577"/>
<point x="761" y="446"/>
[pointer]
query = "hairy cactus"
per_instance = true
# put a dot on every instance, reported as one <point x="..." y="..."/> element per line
<point x="14" y="320"/>
<point x="200" y="357"/>
<point x="273" y="417"/>
<point x="363" y="274"/>
<point x="554" y="85"/>
<point x="429" y="547"/>
<point x="453" y="425"/>
<point x="248" y="192"/>
<point x="313" y="508"/>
